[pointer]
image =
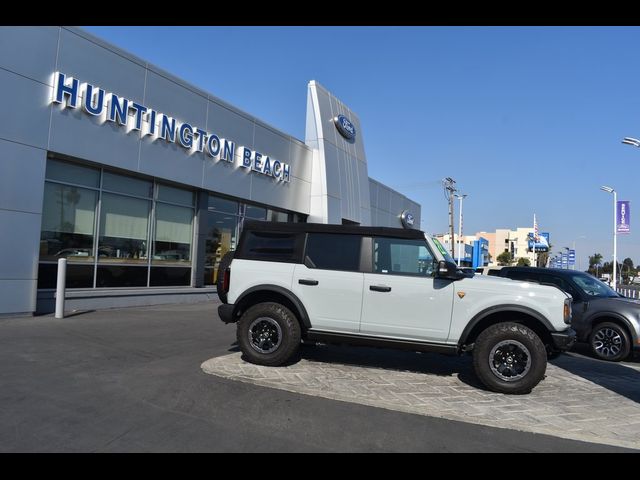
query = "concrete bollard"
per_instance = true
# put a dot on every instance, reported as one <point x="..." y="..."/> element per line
<point x="60" y="287"/>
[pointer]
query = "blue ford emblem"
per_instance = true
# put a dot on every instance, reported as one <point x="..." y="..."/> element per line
<point x="345" y="127"/>
<point x="407" y="219"/>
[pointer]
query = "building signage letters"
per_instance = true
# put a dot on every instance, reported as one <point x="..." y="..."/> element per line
<point x="69" y="92"/>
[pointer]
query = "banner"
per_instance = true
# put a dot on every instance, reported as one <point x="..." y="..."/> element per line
<point x="542" y="244"/>
<point x="572" y="257"/>
<point x="623" y="217"/>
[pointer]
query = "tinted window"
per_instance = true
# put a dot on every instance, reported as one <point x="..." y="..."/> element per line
<point x="331" y="251"/>
<point x="72" y="173"/>
<point x="223" y="205"/>
<point x="524" y="276"/>
<point x="561" y="283"/>
<point x="270" y="246"/>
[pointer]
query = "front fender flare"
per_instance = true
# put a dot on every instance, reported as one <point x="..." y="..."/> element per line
<point x="503" y="308"/>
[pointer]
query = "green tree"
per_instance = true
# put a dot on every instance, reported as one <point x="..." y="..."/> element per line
<point x="628" y="272"/>
<point x="505" y="259"/>
<point x="525" y="262"/>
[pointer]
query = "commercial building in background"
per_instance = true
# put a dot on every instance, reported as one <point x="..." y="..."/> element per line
<point x="474" y="250"/>
<point x="142" y="181"/>
<point x="518" y="242"/>
<point x="483" y="248"/>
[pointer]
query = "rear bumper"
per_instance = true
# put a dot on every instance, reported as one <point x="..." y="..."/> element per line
<point x="225" y="312"/>
<point x="564" y="340"/>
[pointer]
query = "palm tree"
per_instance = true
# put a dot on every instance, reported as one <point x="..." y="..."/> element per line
<point x="594" y="262"/>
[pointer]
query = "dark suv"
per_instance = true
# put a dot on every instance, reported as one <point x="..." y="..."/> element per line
<point x="608" y="321"/>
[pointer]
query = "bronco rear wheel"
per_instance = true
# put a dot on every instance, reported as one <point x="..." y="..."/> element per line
<point x="509" y="358"/>
<point x="268" y="334"/>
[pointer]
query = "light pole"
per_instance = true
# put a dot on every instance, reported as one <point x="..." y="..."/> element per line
<point x="460" y="197"/>
<point x="615" y="236"/>
<point x="576" y="253"/>
<point x="631" y="141"/>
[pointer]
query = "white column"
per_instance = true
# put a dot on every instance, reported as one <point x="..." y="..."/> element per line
<point x="60" y="287"/>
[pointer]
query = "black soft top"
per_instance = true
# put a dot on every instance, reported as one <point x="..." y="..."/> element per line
<point x="261" y="226"/>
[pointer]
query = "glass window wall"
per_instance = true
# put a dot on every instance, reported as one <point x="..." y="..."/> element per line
<point x="222" y="231"/>
<point x="124" y="231"/>
<point x="104" y="221"/>
<point x="68" y="219"/>
<point x="173" y="234"/>
<point x="124" y="225"/>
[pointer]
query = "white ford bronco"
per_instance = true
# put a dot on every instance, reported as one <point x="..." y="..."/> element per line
<point x="289" y="283"/>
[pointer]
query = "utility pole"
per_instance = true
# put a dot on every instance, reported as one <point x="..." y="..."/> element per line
<point x="460" y="241"/>
<point x="449" y="190"/>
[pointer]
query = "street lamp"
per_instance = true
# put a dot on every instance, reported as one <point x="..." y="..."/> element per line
<point x="615" y="236"/>
<point x="631" y="141"/>
<point x="576" y="253"/>
<point x="460" y="197"/>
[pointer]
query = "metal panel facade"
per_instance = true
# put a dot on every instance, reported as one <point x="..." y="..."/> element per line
<point x="331" y="180"/>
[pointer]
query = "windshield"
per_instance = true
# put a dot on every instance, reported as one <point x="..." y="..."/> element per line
<point x="592" y="286"/>
<point x="442" y="250"/>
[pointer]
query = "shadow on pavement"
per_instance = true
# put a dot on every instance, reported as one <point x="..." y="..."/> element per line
<point x="616" y="377"/>
<point x="388" y="359"/>
<point x="77" y="313"/>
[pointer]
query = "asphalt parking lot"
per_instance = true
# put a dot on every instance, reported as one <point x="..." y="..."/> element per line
<point x="132" y="380"/>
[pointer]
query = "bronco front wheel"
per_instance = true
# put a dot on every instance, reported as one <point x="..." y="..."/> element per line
<point x="509" y="358"/>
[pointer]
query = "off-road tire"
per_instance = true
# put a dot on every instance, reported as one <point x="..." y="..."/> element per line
<point x="610" y="332"/>
<point x="224" y="264"/>
<point x="272" y="328"/>
<point x="521" y="349"/>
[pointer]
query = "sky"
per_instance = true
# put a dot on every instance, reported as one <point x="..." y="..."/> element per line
<point x="525" y="119"/>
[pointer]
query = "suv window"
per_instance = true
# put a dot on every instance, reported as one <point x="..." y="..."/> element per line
<point x="402" y="257"/>
<point x="331" y="251"/>
<point x="519" y="276"/>
<point x="273" y="246"/>
<point x="561" y="283"/>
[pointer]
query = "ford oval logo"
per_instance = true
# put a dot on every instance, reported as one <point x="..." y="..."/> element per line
<point x="345" y="127"/>
<point x="407" y="219"/>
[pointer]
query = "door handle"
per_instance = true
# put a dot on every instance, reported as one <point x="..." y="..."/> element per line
<point x="379" y="288"/>
<point x="304" y="281"/>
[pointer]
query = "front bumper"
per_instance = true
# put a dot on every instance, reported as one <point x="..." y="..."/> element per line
<point x="564" y="340"/>
<point x="225" y="312"/>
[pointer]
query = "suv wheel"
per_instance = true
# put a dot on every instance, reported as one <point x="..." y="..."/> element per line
<point x="509" y="358"/>
<point x="610" y="341"/>
<point x="268" y="334"/>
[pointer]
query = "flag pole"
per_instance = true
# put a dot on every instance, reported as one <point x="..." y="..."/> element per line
<point x="534" y="240"/>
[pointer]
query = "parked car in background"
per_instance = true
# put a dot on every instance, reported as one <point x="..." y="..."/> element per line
<point x="492" y="271"/>
<point x="608" y="321"/>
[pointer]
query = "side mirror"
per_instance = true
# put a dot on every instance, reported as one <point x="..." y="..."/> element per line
<point x="449" y="271"/>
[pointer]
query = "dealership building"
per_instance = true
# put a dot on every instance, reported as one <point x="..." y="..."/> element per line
<point x="142" y="181"/>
